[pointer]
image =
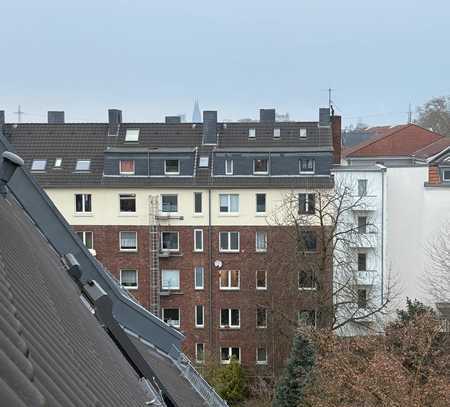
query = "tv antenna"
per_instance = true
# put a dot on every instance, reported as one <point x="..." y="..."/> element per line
<point x="19" y="114"/>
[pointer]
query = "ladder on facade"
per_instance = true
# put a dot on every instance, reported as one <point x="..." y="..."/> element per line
<point x="155" y="277"/>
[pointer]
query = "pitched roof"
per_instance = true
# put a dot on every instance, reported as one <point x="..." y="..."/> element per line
<point x="404" y="140"/>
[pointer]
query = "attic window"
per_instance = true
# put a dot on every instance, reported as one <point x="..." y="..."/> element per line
<point x="303" y="133"/>
<point x="446" y="174"/>
<point x="251" y="133"/>
<point x="83" y="165"/>
<point x="276" y="133"/>
<point x="203" y="162"/>
<point x="38" y="165"/>
<point x="58" y="162"/>
<point x="132" y="135"/>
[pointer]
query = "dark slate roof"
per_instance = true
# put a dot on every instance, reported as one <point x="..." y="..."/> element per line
<point x="53" y="351"/>
<point x="72" y="141"/>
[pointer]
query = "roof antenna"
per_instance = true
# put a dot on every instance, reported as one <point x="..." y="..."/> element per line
<point x="19" y="114"/>
<point x="409" y="114"/>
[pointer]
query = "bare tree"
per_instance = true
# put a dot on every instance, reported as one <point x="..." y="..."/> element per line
<point x="435" y="115"/>
<point x="437" y="277"/>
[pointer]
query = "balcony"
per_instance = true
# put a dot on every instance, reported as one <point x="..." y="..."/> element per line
<point x="365" y="203"/>
<point x="365" y="241"/>
<point x="368" y="277"/>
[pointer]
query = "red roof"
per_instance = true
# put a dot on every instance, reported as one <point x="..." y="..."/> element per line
<point x="399" y="141"/>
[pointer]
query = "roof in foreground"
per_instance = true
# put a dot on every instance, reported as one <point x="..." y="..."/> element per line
<point x="399" y="141"/>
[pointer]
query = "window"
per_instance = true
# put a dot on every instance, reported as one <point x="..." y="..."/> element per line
<point x="128" y="241"/>
<point x="199" y="277"/>
<point x="129" y="279"/>
<point x="251" y="133"/>
<point x="229" y="241"/>
<point x="261" y="241"/>
<point x="306" y="280"/>
<point x="170" y="279"/>
<point x="229" y="279"/>
<point x="126" y="167"/>
<point x="83" y="165"/>
<point x="171" y="316"/>
<point x="132" y="135"/>
<point x="198" y="240"/>
<point x="261" y="279"/>
<point x="169" y="203"/>
<point x="226" y="354"/>
<point x="199" y="352"/>
<point x="230" y="318"/>
<point x="307" y="166"/>
<point x="83" y="203"/>
<point x="362" y="224"/>
<point x="362" y="261"/>
<point x="276" y="133"/>
<point x="309" y="241"/>
<point x="261" y="318"/>
<point x="169" y="241"/>
<point x="307" y="317"/>
<point x="171" y="167"/>
<point x="203" y="161"/>
<point x="228" y="167"/>
<point x="127" y="203"/>
<point x="303" y="133"/>
<point x="362" y="298"/>
<point x="261" y="356"/>
<point x="38" y="165"/>
<point x="229" y="203"/>
<point x="446" y="174"/>
<point x="198" y="202"/>
<point x="362" y="187"/>
<point x="87" y="238"/>
<point x="260" y="203"/>
<point x="306" y="204"/>
<point x="58" y="163"/>
<point x="199" y="316"/>
<point x="261" y="166"/>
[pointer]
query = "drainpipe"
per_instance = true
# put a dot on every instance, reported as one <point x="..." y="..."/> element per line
<point x="210" y="271"/>
<point x="382" y="233"/>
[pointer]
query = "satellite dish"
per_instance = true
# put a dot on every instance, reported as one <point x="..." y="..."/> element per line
<point x="218" y="263"/>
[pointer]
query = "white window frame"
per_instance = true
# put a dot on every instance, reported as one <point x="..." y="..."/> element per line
<point x="260" y="172"/>
<point x="196" y="315"/>
<point x="120" y="241"/>
<point x="201" y="204"/>
<point x="165" y="167"/>
<point x="307" y="201"/>
<point x="44" y="161"/>
<point x="230" y="354"/>
<point x="365" y="182"/>
<point x="163" y="287"/>
<point x="266" y="315"/>
<point x="265" y="203"/>
<point x="203" y="161"/>
<point x="444" y="178"/>
<point x="78" y="163"/>
<point x="83" y="204"/>
<point x="265" y="280"/>
<point x="252" y="132"/>
<point x="315" y="316"/>
<point x="228" y="287"/>
<point x="202" y="286"/>
<point x="303" y="288"/>
<point x="127" y="196"/>
<point x="229" y="243"/>
<point x="83" y="237"/>
<point x="228" y="197"/>
<point x="132" y="135"/>
<point x="161" y="209"/>
<point x="303" y="132"/>
<point x="58" y="163"/>
<point x="276" y="132"/>
<point x="259" y="250"/>
<point x="178" y="241"/>
<point x="229" y="319"/>
<point x="229" y="170"/>
<point x="127" y="172"/>
<point x="258" y="361"/>
<point x="179" y="317"/>
<point x="313" y="171"/>
<point x="137" y="278"/>
<point x="197" y="360"/>
<point x="196" y="240"/>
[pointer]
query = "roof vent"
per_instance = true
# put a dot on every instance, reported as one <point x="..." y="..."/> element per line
<point x="173" y="119"/>
<point x="55" y="117"/>
<point x="210" y="127"/>
<point x="114" y="116"/>
<point x="324" y="117"/>
<point x="267" y="115"/>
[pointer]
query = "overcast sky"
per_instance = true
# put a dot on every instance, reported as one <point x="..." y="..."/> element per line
<point x="152" y="58"/>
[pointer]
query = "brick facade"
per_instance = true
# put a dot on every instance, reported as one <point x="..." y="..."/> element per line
<point x="433" y="175"/>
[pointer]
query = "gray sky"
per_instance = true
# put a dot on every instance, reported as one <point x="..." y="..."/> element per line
<point x="154" y="58"/>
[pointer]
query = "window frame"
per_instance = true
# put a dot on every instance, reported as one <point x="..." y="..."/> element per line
<point x="197" y="360"/>
<point x="120" y="241"/>
<point x="309" y="311"/>
<point x="201" y="161"/>
<point x="303" y="132"/>
<point x="362" y="228"/>
<point x="179" y="316"/>
<point x="123" y="197"/>
<point x="230" y="326"/>
<point x="58" y="161"/>
<point x="362" y="303"/>
<point x="202" y="286"/>
<point x="229" y="212"/>
<point x="276" y="133"/>
<point x="229" y="170"/>
<point x="170" y="288"/>
<point x="230" y="354"/>
<point x="78" y="163"/>
<point x="264" y="249"/>
<point x="301" y="171"/>
<point x="162" y="240"/>
<point x="265" y="318"/>
<point x="121" y="172"/>
<point x="162" y="210"/>
<point x="83" y="204"/>
<point x="259" y="361"/>
<point x="266" y="172"/>
<point x="229" y="250"/>
<point x="133" y="137"/>
<point x="313" y="286"/>
<point x="259" y="194"/>
<point x="229" y="287"/>
<point x="137" y="279"/>
<point x="197" y="325"/>
<point x="196" y="240"/>
<point x="359" y="262"/>
<point x="265" y="280"/>
<point x="36" y="161"/>
<point x="310" y="233"/>
<point x="172" y="172"/>
<point x="444" y="178"/>
<point x="83" y="237"/>
<point x="251" y="132"/>
<point x="362" y="181"/>
<point x="307" y="210"/>
<point x="196" y="195"/>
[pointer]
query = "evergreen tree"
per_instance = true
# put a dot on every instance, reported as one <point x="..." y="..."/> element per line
<point x="289" y="389"/>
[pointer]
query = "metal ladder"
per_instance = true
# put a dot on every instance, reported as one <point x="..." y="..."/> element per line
<point x="155" y="277"/>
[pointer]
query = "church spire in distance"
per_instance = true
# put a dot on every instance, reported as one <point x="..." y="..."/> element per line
<point x="196" y="115"/>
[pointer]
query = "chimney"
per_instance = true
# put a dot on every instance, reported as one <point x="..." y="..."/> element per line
<point x="324" y="117"/>
<point x="114" y="116"/>
<point x="2" y="117"/>
<point x="267" y="115"/>
<point x="210" y="127"/>
<point x="336" y="136"/>
<point x="54" y="117"/>
<point x="173" y="119"/>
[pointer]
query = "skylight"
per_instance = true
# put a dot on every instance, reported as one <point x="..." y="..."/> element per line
<point x="252" y="133"/>
<point x="132" y="135"/>
<point x="58" y="162"/>
<point x="38" y="165"/>
<point x="276" y="133"/>
<point x="83" y="165"/>
<point x="303" y="133"/>
<point x="203" y="162"/>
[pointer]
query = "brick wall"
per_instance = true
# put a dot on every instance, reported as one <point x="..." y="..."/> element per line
<point x="433" y="175"/>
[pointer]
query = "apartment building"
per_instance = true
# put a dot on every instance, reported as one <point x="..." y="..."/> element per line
<point x="181" y="215"/>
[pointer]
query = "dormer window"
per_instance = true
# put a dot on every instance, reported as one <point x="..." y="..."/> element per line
<point x="303" y="133"/>
<point x="132" y="135"/>
<point x="203" y="161"/>
<point x="58" y="163"/>
<point x="172" y="167"/>
<point x="251" y="133"/>
<point x="446" y="175"/>
<point x="38" y="165"/>
<point x="126" y="167"/>
<point x="276" y="132"/>
<point x="307" y="166"/>
<point x="261" y="166"/>
<point x="83" y="165"/>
